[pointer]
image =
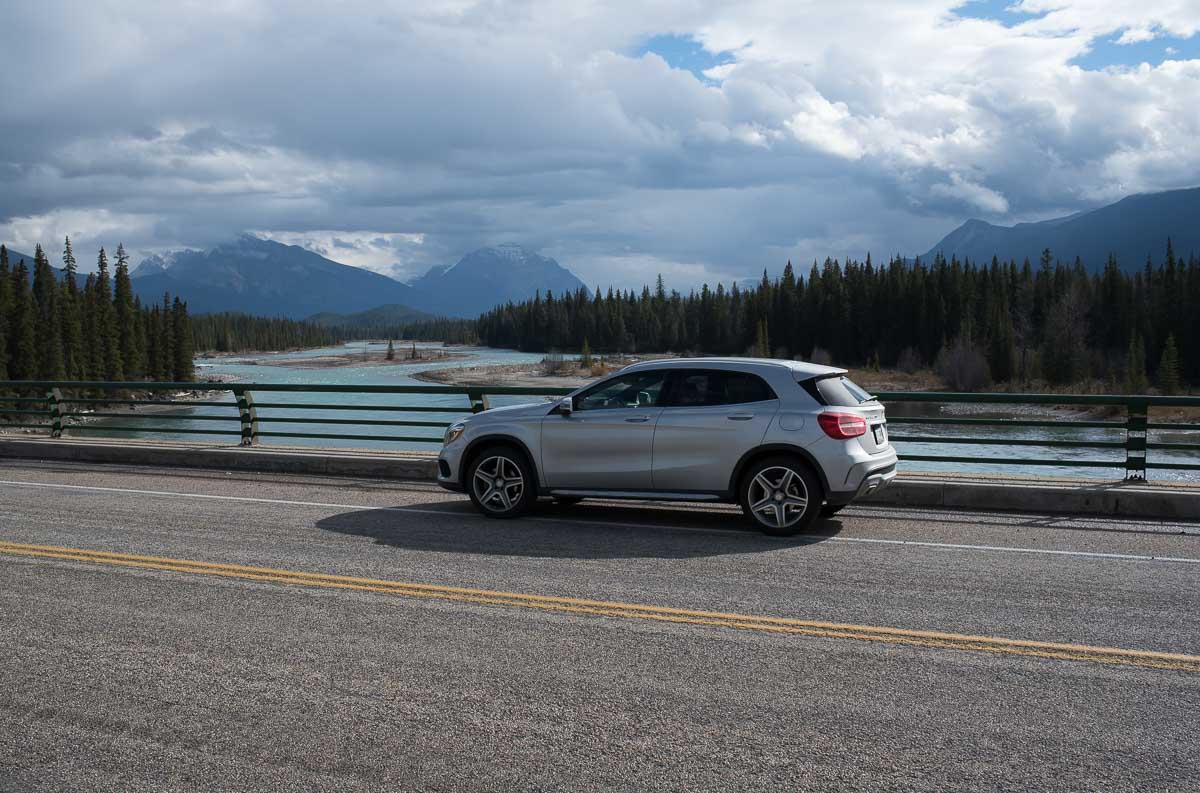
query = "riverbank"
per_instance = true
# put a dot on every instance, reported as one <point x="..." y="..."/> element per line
<point x="566" y="374"/>
<point x="360" y="357"/>
<point x="509" y="375"/>
<point x="357" y="359"/>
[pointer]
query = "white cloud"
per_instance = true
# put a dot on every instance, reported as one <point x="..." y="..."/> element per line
<point x="977" y="195"/>
<point x="836" y="128"/>
<point x="383" y="252"/>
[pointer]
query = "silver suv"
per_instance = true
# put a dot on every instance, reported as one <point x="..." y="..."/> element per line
<point x="787" y="440"/>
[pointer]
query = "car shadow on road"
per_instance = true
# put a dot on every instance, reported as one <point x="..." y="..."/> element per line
<point x="582" y="531"/>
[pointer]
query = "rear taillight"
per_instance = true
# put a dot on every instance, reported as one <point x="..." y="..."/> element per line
<point x="842" y="426"/>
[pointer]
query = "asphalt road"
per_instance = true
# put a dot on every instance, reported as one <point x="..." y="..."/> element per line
<point x="207" y="631"/>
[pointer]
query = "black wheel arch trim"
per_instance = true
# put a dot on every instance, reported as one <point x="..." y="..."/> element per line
<point x="478" y="443"/>
<point x="776" y="448"/>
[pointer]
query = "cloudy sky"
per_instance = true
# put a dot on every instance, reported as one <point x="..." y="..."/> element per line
<point x="703" y="140"/>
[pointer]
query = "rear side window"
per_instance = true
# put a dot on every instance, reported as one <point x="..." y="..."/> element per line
<point x="838" y="392"/>
<point x="717" y="387"/>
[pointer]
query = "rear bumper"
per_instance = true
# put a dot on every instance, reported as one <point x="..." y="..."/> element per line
<point x="874" y="478"/>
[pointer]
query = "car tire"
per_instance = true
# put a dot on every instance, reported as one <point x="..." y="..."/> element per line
<point x="829" y="510"/>
<point x="501" y="482"/>
<point x="781" y="495"/>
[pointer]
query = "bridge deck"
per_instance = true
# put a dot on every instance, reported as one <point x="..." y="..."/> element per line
<point x="915" y="649"/>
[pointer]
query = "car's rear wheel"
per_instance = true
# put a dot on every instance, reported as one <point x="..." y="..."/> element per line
<point x="501" y="483"/>
<point x="781" y="495"/>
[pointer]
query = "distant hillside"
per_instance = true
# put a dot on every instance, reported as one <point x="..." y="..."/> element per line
<point x="390" y="315"/>
<point x="1130" y="229"/>
<point x="488" y="277"/>
<point x="257" y="276"/>
<point x="16" y="256"/>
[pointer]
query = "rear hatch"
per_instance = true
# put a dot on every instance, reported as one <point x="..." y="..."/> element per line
<point x="840" y="394"/>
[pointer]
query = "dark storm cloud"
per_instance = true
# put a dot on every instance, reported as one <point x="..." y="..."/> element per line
<point x="400" y="135"/>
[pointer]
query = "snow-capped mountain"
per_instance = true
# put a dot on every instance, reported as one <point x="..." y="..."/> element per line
<point x="489" y="277"/>
<point x="258" y="276"/>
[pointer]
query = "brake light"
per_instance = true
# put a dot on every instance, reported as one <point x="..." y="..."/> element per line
<point x="842" y="426"/>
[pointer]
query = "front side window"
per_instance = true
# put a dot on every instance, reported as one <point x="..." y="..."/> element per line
<point x="636" y="390"/>
<point x="711" y="388"/>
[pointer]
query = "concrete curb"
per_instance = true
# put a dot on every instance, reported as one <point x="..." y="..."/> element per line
<point x="1087" y="497"/>
<point x="333" y="462"/>
<point x="1133" y="500"/>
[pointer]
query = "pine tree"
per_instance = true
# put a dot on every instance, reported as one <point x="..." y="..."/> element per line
<point x="152" y="327"/>
<point x="762" y="342"/>
<point x="166" y="331"/>
<point x="391" y="351"/>
<point x="585" y="355"/>
<point x="74" y="356"/>
<point x="5" y="311"/>
<point x="22" y="346"/>
<point x="93" y="352"/>
<point x="1000" y="344"/>
<point x="47" y="319"/>
<point x="131" y="344"/>
<point x="1168" y="367"/>
<point x="182" y="367"/>
<point x="107" y="330"/>
<point x="1135" y="367"/>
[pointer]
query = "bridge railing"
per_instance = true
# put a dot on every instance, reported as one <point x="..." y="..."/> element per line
<point x="1130" y="432"/>
<point x="73" y="407"/>
<point x="255" y="411"/>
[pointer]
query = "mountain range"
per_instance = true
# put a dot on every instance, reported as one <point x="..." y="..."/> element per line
<point x="257" y="276"/>
<point x="16" y="256"/>
<point x="1131" y="229"/>
<point x="260" y="276"/>
<point x="488" y="277"/>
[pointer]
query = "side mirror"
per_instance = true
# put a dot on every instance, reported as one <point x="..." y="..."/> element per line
<point x="566" y="405"/>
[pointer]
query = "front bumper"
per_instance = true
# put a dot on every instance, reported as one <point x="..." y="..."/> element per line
<point x="448" y="463"/>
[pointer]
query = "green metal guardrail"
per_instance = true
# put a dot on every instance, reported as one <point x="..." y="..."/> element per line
<point x="1135" y="426"/>
<point x="63" y="403"/>
<point x="60" y="405"/>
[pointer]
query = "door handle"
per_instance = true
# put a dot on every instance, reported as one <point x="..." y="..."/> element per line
<point x="740" y="417"/>
<point x="637" y="419"/>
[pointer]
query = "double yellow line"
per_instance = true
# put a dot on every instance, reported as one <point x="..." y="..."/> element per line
<point x="779" y="625"/>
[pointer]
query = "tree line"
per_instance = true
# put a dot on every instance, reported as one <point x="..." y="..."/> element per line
<point x="52" y="328"/>
<point x="1014" y="322"/>
<point x="235" y="332"/>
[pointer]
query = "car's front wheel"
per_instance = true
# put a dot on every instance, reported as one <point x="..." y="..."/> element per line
<point x="501" y="482"/>
<point x="782" y="496"/>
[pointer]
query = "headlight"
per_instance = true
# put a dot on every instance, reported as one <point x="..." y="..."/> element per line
<point x="453" y="431"/>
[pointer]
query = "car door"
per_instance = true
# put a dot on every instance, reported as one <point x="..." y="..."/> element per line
<point x="709" y="419"/>
<point x="606" y="442"/>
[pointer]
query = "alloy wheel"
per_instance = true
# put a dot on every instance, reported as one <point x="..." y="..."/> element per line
<point x="498" y="483"/>
<point x="778" y="497"/>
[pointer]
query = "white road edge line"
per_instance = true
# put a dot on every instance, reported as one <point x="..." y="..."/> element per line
<point x="691" y="529"/>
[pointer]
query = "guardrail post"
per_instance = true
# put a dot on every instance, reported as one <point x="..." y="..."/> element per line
<point x="249" y="417"/>
<point x="1135" y="442"/>
<point x="479" y="400"/>
<point x="54" y="397"/>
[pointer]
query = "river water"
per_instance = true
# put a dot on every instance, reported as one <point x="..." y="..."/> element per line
<point x="401" y="373"/>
